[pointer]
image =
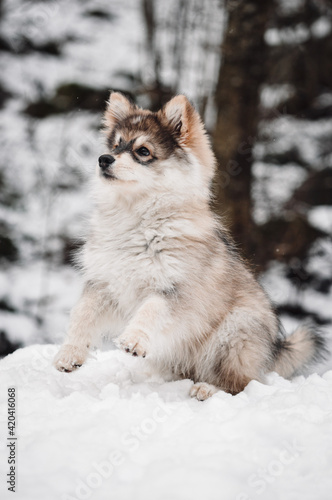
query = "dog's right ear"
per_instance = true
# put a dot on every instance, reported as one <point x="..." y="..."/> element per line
<point x="118" y="108"/>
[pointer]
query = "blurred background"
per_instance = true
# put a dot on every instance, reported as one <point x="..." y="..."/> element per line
<point x="260" y="74"/>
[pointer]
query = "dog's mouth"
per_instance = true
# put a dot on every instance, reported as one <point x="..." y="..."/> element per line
<point x="108" y="175"/>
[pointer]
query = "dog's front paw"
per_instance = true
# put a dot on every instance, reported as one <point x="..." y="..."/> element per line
<point x="70" y="357"/>
<point x="202" y="391"/>
<point x="133" y="342"/>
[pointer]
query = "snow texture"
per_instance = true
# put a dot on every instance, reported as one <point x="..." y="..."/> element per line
<point x="112" y="431"/>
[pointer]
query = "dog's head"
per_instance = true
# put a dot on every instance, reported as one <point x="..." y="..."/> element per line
<point x="167" y="151"/>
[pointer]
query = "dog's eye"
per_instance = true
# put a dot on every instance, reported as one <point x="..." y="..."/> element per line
<point x="143" y="151"/>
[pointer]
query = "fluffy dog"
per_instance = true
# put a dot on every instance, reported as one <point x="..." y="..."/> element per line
<point x="162" y="276"/>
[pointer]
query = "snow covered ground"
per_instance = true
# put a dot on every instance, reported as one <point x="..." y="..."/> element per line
<point x="112" y="431"/>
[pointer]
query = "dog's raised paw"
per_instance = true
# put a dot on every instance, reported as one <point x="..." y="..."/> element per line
<point x="134" y="343"/>
<point x="69" y="358"/>
<point x="202" y="391"/>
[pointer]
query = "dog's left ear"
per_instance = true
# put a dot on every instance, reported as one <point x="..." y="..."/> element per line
<point x="182" y="118"/>
<point x="118" y="108"/>
<point x="188" y="129"/>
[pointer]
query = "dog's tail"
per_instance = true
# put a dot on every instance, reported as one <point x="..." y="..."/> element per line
<point x="296" y="352"/>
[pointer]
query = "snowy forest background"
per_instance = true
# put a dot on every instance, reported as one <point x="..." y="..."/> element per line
<point x="259" y="72"/>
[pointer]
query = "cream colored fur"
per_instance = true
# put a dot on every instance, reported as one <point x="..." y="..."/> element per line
<point x="161" y="277"/>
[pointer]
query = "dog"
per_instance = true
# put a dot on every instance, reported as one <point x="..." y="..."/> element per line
<point x="162" y="275"/>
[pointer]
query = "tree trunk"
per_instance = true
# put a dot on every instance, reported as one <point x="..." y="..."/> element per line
<point x="241" y="74"/>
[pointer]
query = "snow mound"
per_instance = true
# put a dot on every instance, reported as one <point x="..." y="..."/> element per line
<point x="113" y="431"/>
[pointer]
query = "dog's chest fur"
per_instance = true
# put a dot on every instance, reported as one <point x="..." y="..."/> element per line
<point x="138" y="253"/>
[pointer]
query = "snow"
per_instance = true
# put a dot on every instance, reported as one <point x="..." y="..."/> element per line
<point x="92" y="49"/>
<point x="288" y="132"/>
<point x="289" y="6"/>
<point x="299" y="33"/>
<point x="290" y="35"/>
<point x="321" y="258"/>
<point x="272" y="95"/>
<point x="111" y="430"/>
<point x="296" y="292"/>
<point x="273" y="187"/>
<point x="321" y="217"/>
<point x="321" y="28"/>
<point x="38" y="291"/>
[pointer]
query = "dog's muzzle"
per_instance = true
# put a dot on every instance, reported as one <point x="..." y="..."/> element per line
<point x="105" y="161"/>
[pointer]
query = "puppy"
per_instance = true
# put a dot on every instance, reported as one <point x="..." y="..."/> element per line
<point x="162" y="276"/>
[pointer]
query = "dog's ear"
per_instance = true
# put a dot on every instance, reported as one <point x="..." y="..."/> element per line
<point x="188" y="129"/>
<point x="182" y="118"/>
<point x="118" y="108"/>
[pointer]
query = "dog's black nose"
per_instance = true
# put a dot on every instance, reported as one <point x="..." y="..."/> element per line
<point x="105" y="161"/>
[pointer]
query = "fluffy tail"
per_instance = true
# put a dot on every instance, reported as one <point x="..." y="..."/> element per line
<point x="296" y="352"/>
